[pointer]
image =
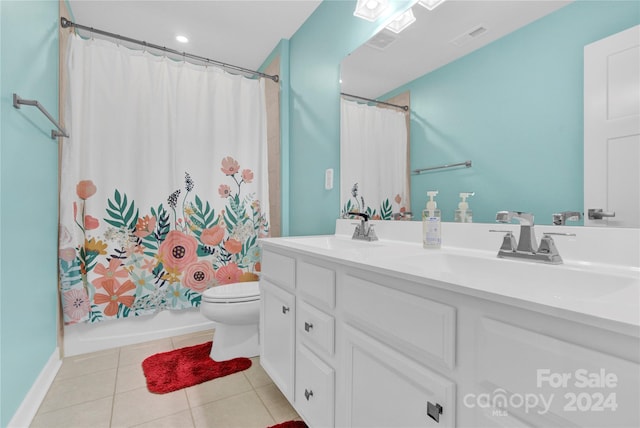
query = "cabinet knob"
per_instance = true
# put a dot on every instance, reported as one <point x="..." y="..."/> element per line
<point x="308" y="393"/>
<point x="434" y="411"/>
<point x="285" y="309"/>
<point x="308" y="326"/>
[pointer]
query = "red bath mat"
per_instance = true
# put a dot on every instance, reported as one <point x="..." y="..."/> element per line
<point x="184" y="367"/>
<point x="290" y="424"/>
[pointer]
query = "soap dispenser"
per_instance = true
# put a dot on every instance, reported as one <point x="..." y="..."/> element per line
<point x="431" y="219"/>
<point x="463" y="213"/>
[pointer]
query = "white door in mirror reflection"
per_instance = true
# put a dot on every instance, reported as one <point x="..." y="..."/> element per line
<point x="612" y="129"/>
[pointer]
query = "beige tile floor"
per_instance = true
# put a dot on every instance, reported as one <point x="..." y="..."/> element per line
<point x="108" y="389"/>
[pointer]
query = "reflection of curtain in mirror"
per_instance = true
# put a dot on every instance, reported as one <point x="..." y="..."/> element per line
<point x="373" y="160"/>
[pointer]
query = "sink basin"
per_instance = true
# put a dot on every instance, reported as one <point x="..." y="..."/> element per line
<point x="528" y="279"/>
<point x="332" y="242"/>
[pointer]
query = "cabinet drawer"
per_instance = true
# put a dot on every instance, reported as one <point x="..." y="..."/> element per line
<point x="317" y="284"/>
<point x="279" y="268"/>
<point x="418" y="325"/>
<point x="384" y="388"/>
<point x="315" y="328"/>
<point x="314" y="389"/>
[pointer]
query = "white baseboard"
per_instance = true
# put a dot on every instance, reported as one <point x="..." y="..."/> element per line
<point x="29" y="406"/>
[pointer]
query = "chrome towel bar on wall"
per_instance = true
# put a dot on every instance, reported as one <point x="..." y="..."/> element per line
<point x="431" y="168"/>
<point x="17" y="101"/>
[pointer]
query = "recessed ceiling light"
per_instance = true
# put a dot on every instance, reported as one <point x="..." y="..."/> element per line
<point x="430" y="4"/>
<point x="182" y="39"/>
<point x="370" y="9"/>
<point x="402" y="22"/>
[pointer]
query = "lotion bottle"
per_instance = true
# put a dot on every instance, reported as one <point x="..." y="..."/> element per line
<point x="431" y="222"/>
<point x="463" y="213"/>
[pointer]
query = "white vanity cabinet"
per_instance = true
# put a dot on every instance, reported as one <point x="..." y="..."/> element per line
<point x="356" y="344"/>
<point x="352" y="345"/>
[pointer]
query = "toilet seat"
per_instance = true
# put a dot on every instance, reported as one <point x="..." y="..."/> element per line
<point x="233" y="293"/>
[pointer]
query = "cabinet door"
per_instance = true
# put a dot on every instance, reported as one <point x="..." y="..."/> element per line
<point x="543" y="381"/>
<point x="384" y="388"/>
<point x="277" y="335"/>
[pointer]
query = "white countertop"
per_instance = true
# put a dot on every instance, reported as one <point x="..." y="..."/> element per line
<point x="600" y="290"/>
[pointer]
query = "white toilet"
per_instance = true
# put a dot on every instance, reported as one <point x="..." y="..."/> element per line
<point x="235" y="308"/>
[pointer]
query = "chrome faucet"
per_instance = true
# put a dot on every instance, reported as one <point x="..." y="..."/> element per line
<point x="364" y="231"/>
<point x="560" y="219"/>
<point x="527" y="246"/>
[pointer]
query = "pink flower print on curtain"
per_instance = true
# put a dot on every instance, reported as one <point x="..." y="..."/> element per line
<point x="228" y="274"/>
<point x="199" y="276"/>
<point x="178" y="250"/>
<point x="212" y="236"/>
<point x="114" y="296"/>
<point x="113" y="272"/>
<point x="76" y="305"/>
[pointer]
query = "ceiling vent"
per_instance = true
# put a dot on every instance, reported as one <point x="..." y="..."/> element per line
<point x="382" y="40"/>
<point x="469" y="35"/>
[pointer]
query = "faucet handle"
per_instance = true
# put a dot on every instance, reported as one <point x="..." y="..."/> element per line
<point x="509" y="242"/>
<point x="547" y="246"/>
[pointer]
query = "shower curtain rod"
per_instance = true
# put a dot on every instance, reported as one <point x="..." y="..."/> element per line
<point x="65" y="23"/>
<point x="405" y="108"/>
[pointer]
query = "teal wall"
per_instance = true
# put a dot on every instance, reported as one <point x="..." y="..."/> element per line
<point x="28" y="197"/>
<point x="515" y="108"/>
<point x="316" y="51"/>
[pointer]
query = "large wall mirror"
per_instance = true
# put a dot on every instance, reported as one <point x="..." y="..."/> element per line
<point x="495" y="87"/>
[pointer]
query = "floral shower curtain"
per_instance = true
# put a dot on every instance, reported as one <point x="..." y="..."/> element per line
<point x="373" y="160"/>
<point x="163" y="184"/>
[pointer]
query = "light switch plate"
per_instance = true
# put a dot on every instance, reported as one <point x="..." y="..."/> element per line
<point x="328" y="179"/>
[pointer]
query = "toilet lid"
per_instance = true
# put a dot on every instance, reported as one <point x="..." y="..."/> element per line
<point x="232" y="293"/>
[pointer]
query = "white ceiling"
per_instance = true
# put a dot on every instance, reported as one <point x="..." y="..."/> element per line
<point x="425" y="45"/>
<point x="238" y="32"/>
<point x="245" y="32"/>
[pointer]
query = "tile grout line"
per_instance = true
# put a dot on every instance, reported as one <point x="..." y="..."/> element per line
<point x="260" y="398"/>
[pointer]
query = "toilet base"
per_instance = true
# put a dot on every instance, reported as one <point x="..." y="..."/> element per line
<point x="233" y="341"/>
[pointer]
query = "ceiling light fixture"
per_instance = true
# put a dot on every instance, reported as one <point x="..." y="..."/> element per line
<point x="370" y="10"/>
<point x="402" y="22"/>
<point x="182" y="39"/>
<point x="430" y="4"/>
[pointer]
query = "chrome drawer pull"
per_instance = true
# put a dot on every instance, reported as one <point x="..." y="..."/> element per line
<point x="434" y="411"/>
<point x="308" y="326"/>
<point x="308" y="393"/>
<point x="285" y="309"/>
